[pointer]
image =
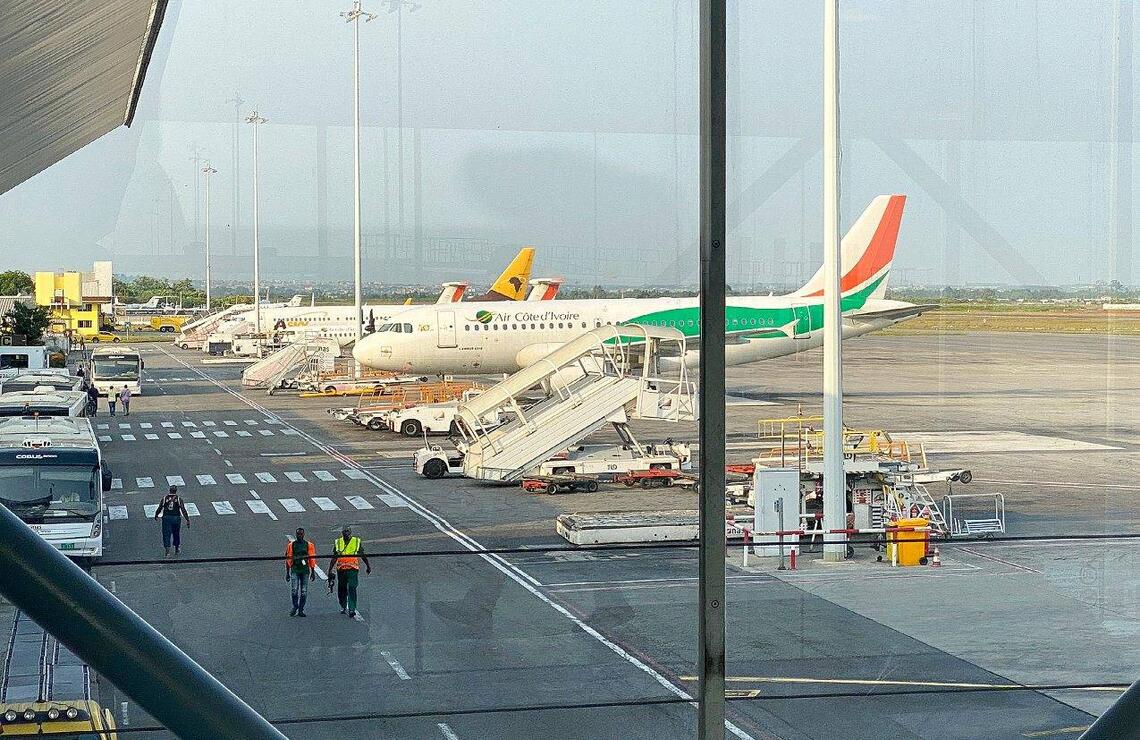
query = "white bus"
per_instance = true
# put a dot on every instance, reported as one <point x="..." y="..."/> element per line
<point x="115" y="367"/>
<point x="53" y="476"/>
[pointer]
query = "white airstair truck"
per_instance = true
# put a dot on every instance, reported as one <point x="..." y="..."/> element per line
<point x="277" y="369"/>
<point x="609" y="375"/>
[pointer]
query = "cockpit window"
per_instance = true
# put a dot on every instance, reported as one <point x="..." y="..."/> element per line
<point x="407" y="328"/>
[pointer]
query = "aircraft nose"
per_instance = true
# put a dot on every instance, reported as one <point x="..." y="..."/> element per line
<point x="372" y="352"/>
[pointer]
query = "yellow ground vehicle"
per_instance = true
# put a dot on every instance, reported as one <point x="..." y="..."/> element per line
<point x="102" y="336"/>
<point x="168" y="324"/>
<point x="66" y="720"/>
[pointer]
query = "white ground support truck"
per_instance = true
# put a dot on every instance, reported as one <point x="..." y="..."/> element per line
<point x="430" y="418"/>
<point x="602" y="461"/>
<point x="53" y="477"/>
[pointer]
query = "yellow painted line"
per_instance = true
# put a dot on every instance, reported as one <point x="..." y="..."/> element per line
<point x="1058" y="731"/>
<point x="889" y="682"/>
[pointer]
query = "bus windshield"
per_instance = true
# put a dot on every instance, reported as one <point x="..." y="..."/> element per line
<point x="124" y="368"/>
<point x="48" y="493"/>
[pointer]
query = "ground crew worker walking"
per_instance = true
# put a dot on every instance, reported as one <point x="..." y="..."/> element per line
<point x="112" y="397"/>
<point x="300" y="568"/>
<point x="345" y="564"/>
<point x="172" y="510"/>
<point x="125" y="399"/>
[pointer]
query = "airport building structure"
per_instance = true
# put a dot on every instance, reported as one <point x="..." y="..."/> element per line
<point x="78" y="300"/>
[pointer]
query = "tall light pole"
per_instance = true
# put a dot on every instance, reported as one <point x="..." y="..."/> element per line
<point x="256" y="120"/>
<point x="354" y="16"/>
<point x="834" y="475"/>
<point x="207" y="171"/>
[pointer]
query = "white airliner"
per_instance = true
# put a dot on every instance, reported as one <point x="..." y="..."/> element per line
<point x="488" y="338"/>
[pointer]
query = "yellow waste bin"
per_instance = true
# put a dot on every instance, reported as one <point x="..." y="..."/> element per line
<point x="908" y="547"/>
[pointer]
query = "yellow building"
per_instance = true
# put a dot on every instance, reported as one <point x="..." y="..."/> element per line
<point x="77" y="299"/>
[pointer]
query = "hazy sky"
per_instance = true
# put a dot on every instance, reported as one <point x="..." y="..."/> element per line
<point x="571" y="125"/>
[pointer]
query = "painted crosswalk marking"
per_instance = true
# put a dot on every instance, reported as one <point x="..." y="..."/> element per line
<point x="146" y="425"/>
<point x="223" y="507"/>
<point x="324" y="475"/>
<point x="265" y="477"/>
<point x="104" y="437"/>
<point x="174" y="435"/>
<point x="291" y="504"/>
<point x="198" y="435"/>
<point x="206" y="480"/>
<point x="117" y="512"/>
<point x="353" y="474"/>
<point x="102" y="426"/>
<point x="128" y="438"/>
<point x="175" y="480"/>
<point x="392" y="500"/>
<point x="209" y="423"/>
<point x="191" y="509"/>
<point x="116" y="484"/>
<point x="258" y="506"/>
<point x="296" y="477"/>
<point x="265" y="432"/>
<point x="325" y="504"/>
<point x="359" y="502"/>
<point x="230" y="423"/>
<point x="189" y="424"/>
<point x="146" y="482"/>
<point x="289" y="431"/>
<point x="251" y="422"/>
<point x="272" y="421"/>
<point x="221" y="434"/>
<point x="167" y="425"/>
<point x="150" y="510"/>
<point x="151" y="436"/>
<point x="124" y="426"/>
<point x="236" y="478"/>
<point x="244" y="433"/>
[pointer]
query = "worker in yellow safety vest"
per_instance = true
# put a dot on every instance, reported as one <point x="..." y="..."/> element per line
<point x="345" y="568"/>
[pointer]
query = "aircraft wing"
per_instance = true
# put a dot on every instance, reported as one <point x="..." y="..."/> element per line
<point x="893" y="314"/>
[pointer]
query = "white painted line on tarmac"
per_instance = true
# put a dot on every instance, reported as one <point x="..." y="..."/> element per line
<point x="265" y="477"/>
<point x="116" y="484"/>
<point x="174" y="435"/>
<point x="359" y="502"/>
<point x="209" y="424"/>
<point x="324" y="475"/>
<point x="254" y="493"/>
<point x="104" y="437"/>
<point x="392" y="500"/>
<point x="265" y="432"/>
<point x="243" y="433"/>
<point x="189" y="424"/>
<point x="146" y="425"/>
<point x="230" y="423"/>
<point x="296" y="477"/>
<point x="117" y="512"/>
<point x="206" y="480"/>
<point x="399" y="669"/>
<point x="175" y="480"/>
<point x="102" y="426"/>
<point x="223" y="507"/>
<point x="447" y="732"/>
<point x="128" y="438"/>
<point x="251" y="422"/>
<point x="236" y="478"/>
<point x="145" y="482"/>
<point x="228" y="463"/>
<point x="353" y="474"/>
<point x="291" y="505"/>
<point x="150" y="510"/>
<point x="257" y="506"/>
<point x="124" y="426"/>
<point x="271" y="420"/>
<point x="198" y="435"/>
<point x="293" y="432"/>
<point x="191" y="509"/>
<point x="151" y="436"/>
<point x="167" y="425"/>
<point x="325" y="504"/>
<point x="221" y="434"/>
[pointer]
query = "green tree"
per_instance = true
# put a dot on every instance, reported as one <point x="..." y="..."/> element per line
<point x="31" y="321"/>
<point x="15" y="282"/>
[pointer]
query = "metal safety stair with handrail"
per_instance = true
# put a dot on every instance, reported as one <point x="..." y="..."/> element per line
<point x="608" y="375"/>
<point x="269" y="371"/>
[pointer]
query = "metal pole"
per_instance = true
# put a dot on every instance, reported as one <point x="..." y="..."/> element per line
<point x="208" y="170"/>
<point x="117" y="643"/>
<point x="256" y="120"/>
<point x="713" y="38"/>
<point x="834" y="481"/>
<point x="1120" y="720"/>
<point x="353" y="16"/>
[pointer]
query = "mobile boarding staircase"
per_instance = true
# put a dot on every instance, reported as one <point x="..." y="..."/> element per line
<point x="609" y="375"/>
<point x="270" y="372"/>
<point x="193" y="334"/>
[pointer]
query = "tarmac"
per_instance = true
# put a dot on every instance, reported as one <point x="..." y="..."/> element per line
<point x="456" y="642"/>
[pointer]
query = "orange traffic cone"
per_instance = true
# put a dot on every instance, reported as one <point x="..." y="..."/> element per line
<point x="936" y="561"/>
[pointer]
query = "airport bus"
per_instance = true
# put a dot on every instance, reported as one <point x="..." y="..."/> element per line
<point x="53" y="477"/>
<point x="115" y="367"/>
<point x="43" y="403"/>
<point x="45" y="689"/>
<point x="40" y="380"/>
